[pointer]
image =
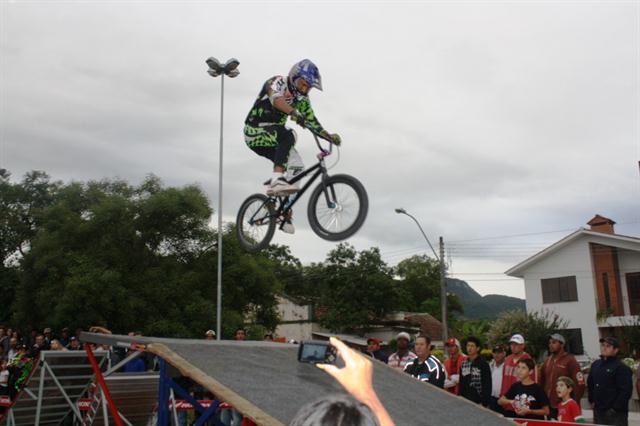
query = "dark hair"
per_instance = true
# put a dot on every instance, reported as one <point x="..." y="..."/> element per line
<point x="334" y="410"/>
<point x="425" y="337"/>
<point x="528" y="362"/>
<point x="475" y="340"/>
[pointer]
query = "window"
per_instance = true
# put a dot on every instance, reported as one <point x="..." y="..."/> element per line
<point x="563" y="289"/>
<point x="573" y="337"/>
<point x="633" y="289"/>
<point x="605" y="284"/>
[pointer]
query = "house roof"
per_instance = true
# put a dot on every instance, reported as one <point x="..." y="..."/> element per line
<point x="613" y="240"/>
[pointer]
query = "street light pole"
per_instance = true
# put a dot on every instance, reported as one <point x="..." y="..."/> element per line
<point x="230" y="68"/>
<point x="219" y="282"/>
<point x="443" y="282"/>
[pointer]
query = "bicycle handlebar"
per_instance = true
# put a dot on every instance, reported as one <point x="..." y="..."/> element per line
<point x="323" y="152"/>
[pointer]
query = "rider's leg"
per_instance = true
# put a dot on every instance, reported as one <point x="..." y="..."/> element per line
<point x="274" y="143"/>
<point x="286" y="140"/>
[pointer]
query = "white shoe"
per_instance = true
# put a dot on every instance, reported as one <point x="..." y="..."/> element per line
<point x="280" y="186"/>
<point x="288" y="228"/>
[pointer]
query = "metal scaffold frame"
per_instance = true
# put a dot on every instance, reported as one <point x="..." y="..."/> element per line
<point x="61" y="378"/>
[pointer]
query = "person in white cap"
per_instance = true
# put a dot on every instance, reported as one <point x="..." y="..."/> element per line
<point x="403" y="355"/>
<point x="210" y="335"/>
<point x="509" y="372"/>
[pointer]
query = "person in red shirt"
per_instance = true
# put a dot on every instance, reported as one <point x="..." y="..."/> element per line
<point x="453" y="364"/>
<point x="560" y="363"/>
<point x="509" y="372"/>
<point x="568" y="409"/>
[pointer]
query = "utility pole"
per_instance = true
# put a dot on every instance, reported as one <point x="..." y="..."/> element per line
<point x="443" y="293"/>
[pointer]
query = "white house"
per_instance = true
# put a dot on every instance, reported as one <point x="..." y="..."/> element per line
<point x="591" y="278"/>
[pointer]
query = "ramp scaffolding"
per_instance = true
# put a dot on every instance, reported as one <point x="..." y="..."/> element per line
<point x="58" y="380"/>
<point x="67" y="387"/>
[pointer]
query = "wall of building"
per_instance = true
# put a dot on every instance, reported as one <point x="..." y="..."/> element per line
<point x="295" y="321"/>
<point x="573" y="259"/>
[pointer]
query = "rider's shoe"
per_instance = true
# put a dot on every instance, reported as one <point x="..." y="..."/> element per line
<point x="288" y="227"/>
<point x="280" y="186"/>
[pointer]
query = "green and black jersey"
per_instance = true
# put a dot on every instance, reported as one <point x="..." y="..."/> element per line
<point x="264" y="115"/>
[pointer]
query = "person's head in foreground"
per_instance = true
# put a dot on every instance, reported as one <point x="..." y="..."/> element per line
<point x="335" y="410"/>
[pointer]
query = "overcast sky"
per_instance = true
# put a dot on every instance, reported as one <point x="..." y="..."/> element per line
<point x="501" y="126"/>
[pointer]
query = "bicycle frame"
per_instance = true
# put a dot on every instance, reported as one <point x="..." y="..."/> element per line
<point x="284" y="206"/>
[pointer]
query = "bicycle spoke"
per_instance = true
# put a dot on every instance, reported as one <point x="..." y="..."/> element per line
<point x="345" y="210"/>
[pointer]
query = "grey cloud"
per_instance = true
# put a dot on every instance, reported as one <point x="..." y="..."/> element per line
<point x="481" y="119"/>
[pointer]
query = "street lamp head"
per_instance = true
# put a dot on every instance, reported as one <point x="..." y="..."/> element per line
<point x="215" y="65"/>
<point x="401" y="211"/>
<point x="231" y="65"/>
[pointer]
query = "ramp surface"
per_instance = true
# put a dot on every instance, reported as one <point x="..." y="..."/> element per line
<point x="265" y="382"/>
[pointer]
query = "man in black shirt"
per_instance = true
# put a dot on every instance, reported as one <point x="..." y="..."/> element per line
<point x="526" y="396"/>
<point x="610" y="386"/>
<point x="426" y="367"/>
<point x="475" y="375"/>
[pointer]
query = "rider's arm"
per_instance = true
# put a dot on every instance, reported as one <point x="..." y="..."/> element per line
<point x="276" y="91"/>
<point x="310" y="120"/>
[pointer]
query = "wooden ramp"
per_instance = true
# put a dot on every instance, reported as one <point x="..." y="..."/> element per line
<point x="264" y="381"/>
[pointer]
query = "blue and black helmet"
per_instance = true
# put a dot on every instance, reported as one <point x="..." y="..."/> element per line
<point x="308" y="71"/>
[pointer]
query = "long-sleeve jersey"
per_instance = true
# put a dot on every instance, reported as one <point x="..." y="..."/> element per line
<point x="263" y="113"/>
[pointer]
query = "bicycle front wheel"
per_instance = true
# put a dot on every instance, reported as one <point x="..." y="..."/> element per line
<point x="256" y="223"/>
<point x="338" y="207"/>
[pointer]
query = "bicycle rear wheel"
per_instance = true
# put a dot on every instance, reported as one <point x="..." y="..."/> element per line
<point x="256" y="223"/>
<point x="339" y="211"/>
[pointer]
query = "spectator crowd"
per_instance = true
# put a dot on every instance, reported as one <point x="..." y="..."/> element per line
<point x="513" y="385"/>
<point x="510" y="383"/>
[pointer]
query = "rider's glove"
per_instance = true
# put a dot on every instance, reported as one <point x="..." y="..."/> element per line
<point x="297" y="117"/>
<point x="335" y="139"/>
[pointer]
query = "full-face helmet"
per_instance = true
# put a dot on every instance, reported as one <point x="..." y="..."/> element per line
<point x="308" y="71"/>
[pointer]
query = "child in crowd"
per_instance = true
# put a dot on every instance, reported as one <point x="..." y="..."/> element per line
<point x="4" y="378"/>
<point x="526" y="396"/>
<point x="568" y="410"/>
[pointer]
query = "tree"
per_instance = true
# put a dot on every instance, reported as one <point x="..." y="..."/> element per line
<point x="131" y="258"/>
<point x="418" y="287"/>
<point x="534" y="326"/>
<point x="352" y="288"/>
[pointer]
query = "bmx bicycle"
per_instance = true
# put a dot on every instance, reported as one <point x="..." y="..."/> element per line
<point x="336" y="210"/>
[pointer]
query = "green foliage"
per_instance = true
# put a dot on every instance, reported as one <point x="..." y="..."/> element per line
<point x="477" y="328"/>
<point x="418" y="288"/>
<point x="534" y="326"/>
<point x="630" y="336"/>
<point x="127" y="258"/>
<point x="438" y="353"/>
<point x="354" y="288"/>
<point x="419" y="282"/>
<point x="486" y="354"/>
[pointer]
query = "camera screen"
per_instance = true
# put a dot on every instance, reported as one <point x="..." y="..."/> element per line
<point x="313" y="352"/>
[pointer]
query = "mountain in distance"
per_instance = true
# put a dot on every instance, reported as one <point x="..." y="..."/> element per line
<point x="482" y="307"/>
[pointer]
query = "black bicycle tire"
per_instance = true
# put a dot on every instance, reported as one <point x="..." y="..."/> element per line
<point x="318" y="196"/>
<point x="246" y="244"/>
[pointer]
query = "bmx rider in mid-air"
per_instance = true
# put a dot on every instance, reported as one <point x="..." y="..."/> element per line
<point x="265" y="131"/>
